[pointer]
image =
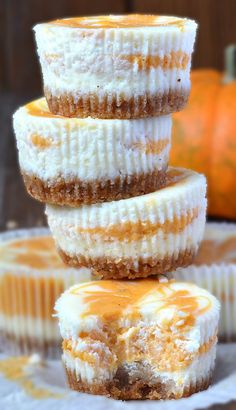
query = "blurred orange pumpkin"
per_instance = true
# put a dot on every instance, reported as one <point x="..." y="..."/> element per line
<point x="204" y="138"/>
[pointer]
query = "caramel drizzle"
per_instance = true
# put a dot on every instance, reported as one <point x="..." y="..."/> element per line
<point x="14" y="370"/>
<point x="175" y="59"/>
<point x="109" y="300"/>
<point x="134" y="231"/>
<point x="120" y="21"/>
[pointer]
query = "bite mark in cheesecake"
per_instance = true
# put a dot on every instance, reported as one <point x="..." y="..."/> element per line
<point x="158" y="334"/>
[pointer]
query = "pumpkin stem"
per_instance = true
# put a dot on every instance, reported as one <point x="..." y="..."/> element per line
<point x="230" y="63"/>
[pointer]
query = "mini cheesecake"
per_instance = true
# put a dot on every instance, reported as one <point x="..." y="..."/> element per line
<point x="136" y="237"/>
<point x="138" y="339"/>
<point x="127" y="66"/>
<point x="70" y="161"/>
<point x="32" y="277"/>
<point x="214" y="268"/>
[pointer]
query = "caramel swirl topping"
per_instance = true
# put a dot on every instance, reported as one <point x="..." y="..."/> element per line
<point x="36" y="253"/>
<point x="111" y="300"/>
<point x="121" y="21"/>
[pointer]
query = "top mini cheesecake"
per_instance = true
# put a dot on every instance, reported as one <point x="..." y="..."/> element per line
<point x="127" y="66"/>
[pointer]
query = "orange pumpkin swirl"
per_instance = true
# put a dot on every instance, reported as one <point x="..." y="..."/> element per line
<point x="110" y="300"/>
<point x="122" y="21"/>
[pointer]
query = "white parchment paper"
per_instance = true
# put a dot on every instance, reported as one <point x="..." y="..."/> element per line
<point x="50" y="376"/>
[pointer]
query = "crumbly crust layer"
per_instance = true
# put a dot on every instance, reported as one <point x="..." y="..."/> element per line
<point x="108" y="268"/>
<point x="76" y="192"/>
<point x="124" y="388"/>
<point x="117" y="106"/>
<point x="26" y="345"/>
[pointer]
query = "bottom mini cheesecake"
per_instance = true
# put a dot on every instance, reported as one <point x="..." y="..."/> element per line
<point x="139" y="339"/>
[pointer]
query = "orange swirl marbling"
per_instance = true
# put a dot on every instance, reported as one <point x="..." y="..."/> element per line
<point x="109" y="299"/>
<point x="174" y="59"/>
<point x="134" y="231"/>
<point x="36" y="253"/>
<point x="120" y="21"/>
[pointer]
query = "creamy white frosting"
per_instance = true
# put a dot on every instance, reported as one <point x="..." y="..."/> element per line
<point x="90" y="149"/>
<point x="77" y="60"/>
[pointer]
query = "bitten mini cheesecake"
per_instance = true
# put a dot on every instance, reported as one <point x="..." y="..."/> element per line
<point x="136" y="237"/>
<point x="69" y="161"/>
<point x="138" y="339"/>
<point x="32" y="277"/>
<point x="127" y="66"/>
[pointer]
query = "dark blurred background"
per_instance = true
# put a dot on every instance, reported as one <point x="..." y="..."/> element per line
<point x="20" y="75"/>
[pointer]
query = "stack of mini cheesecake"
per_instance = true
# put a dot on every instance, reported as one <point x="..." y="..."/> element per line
<point x="96" y="150"/>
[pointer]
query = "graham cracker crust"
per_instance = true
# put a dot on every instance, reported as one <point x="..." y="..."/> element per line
<point x="117" y="106"/>
<point x="109" y="268"/>
<point x="122" y="387"/>
<point x="76" y="192"/>
<point x="25" y="345"/>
